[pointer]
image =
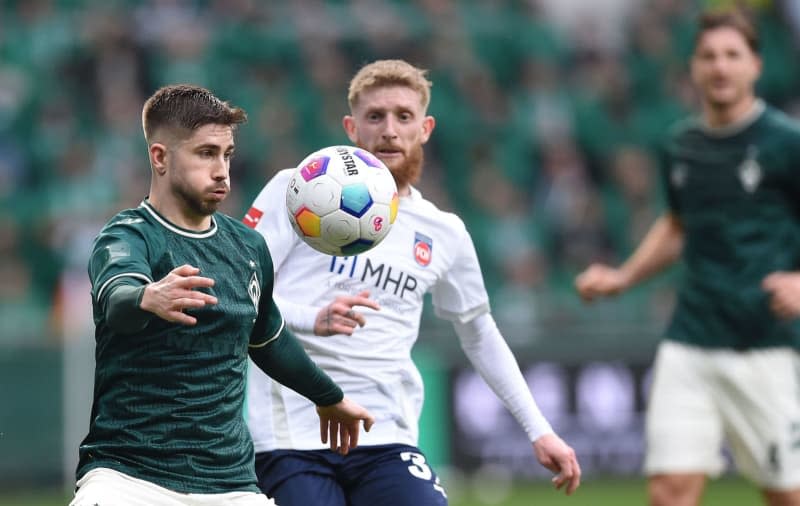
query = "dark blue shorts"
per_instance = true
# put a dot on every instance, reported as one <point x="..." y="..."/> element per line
<point x="386" y="475"/>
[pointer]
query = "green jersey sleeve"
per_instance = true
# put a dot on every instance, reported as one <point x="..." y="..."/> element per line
<point x="119" y="252"/>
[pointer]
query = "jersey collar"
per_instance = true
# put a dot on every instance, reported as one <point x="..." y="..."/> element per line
<point x="175" y="228"/>
<point x="734" y="128"/>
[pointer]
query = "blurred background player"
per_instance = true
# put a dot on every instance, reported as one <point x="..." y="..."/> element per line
<point x="172" y="344"/>
<point x="364" y="342"/>
<point x="728" y="368"/>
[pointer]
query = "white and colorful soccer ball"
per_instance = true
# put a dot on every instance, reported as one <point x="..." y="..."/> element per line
<point x="342" y="200"/>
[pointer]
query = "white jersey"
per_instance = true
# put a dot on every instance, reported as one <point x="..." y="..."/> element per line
<point x="427" y="251"/>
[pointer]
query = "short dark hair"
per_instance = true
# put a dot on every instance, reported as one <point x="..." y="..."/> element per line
<point x="184" y="108"/>
<point x="735" y="18"/>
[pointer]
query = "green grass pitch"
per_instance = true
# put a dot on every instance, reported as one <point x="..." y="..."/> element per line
<point x="593" y="492"/>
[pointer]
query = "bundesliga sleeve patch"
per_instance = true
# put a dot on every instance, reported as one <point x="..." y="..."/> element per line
<point x="252" y="217"/>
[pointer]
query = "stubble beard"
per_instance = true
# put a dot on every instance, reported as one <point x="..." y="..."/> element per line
<point x="192" y="201"/>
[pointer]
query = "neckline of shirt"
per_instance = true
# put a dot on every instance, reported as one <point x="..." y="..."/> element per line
<point x="738" y="126"/>
<point x="147" y="206"/>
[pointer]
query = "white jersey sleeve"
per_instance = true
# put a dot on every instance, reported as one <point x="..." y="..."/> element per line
<point x="268" y="217"/>
<point x="460" y="295"/>
<point x="492" y="358"/>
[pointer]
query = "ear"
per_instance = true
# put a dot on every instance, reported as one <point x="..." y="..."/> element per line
<point x="427" y="127"/>
<point x="349" y="124"/>
<point x="158" y="158"/>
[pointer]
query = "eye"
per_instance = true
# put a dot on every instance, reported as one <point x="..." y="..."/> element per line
<point x="228" y="155"/>
<point x="206" y="153"/>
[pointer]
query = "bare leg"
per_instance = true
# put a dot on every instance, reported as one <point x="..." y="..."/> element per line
<point x="684" y="489"/>
<point x="782" y="497"/>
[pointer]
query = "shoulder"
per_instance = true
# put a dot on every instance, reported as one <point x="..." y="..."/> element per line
<point x="130" y="222"/>
<point x="684" y="127"/>
<point x="775" y="119"/>
<point x="424" y="209"/>
<point x="271" y="190"/>
<point x="228" y="224"/>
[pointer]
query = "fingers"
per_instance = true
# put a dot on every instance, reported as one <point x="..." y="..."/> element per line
<point x="369" y="421"/>
<point x="344" y="439"/>
<point x="323" y="430"/>
<point x="333" y="431"/>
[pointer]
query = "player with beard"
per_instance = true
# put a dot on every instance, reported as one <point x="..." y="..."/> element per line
<point x="181" y="296"/>
<point x="358" y="317"/>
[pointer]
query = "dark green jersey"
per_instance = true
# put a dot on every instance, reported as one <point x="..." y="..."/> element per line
<point x="737" y="194"/>
<point x="168" y="399"/>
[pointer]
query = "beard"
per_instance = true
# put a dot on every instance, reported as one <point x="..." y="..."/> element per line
<point x="409" y="170"/>
<point x="193" y="200"/>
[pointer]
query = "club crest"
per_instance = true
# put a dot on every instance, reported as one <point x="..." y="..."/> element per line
<point x="423" y="249"/>
<point x="750" y="173"/>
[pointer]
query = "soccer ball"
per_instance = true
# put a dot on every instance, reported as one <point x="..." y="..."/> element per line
<point x="341" y="200"/>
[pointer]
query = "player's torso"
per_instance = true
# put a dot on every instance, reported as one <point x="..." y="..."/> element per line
<point x="736" y="196"/>
<point x="398" y="272"/>
<point x="159" y="390"/>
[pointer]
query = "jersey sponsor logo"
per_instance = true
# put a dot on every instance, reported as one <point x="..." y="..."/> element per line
<point x="750" y="173"/>
<point x="423" y="249"/>
<point x="254" y="290"/>
<point x="382" y="276"/>
<point x="678" y="175"/>
<point x="128" y="221"/>
<point x="252" y="217"/>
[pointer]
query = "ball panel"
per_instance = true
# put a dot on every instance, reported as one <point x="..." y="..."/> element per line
<point x="394" y="206"/>
<point x="315" y="167"/>
<point x="357" y="247"/>
<point x="308" y="222"/>
<point x="356" y="199"/>
<point x="339" y="228"/>
<point x="375" y="223"/>
<point x="322" y="195"/>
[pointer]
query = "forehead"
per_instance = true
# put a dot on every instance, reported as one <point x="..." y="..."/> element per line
<point x="211" y="133"/>
<point x="389" y="98"/>
<point x="724" y="36"/>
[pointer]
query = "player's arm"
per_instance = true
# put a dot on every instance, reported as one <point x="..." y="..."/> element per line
<point x="492" y="358"/>
<point x="660" y="248"/>
<point x="285" y="361"/>
<point x="783" y="289"/>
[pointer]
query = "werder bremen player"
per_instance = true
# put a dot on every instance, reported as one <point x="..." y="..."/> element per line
<point x="729" y="367"/>
<point x="182" y="295"/>
<point x="368" y="351"/>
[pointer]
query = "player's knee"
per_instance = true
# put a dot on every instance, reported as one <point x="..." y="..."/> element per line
<point x="675" y="490"/>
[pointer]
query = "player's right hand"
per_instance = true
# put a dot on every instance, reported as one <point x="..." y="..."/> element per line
<point x="170" y="296"/>
<point x="339" y="424"/>
<point x="600" y="280"/>
<point x="339" y="317"/>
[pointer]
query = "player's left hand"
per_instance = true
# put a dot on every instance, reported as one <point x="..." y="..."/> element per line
<point x="784" y="293"/>
<point x="339" y="424"/>
<point x="554" y="454"/>
<point x="340" y="316"/>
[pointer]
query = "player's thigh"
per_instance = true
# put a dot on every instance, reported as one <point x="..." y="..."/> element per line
<point x="112" y="488"/>
<point x="683" y="426"/>
<point x="759" y="400"/>
<point x="399" y="476"/>
<point x="298" y="478"/>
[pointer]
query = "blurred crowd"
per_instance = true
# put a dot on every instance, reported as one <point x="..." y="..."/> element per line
<point x="549" y="117"/>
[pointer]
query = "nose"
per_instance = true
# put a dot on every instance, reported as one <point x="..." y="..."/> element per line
<point x="390" y="129"/>
<point x="221" y="169"/>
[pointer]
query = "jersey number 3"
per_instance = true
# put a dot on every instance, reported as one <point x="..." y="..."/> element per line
<point x="420" y="469"/>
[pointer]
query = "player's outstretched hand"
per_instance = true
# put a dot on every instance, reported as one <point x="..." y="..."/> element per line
<point x="339" y="424"/>
<point x="339" y="317"/>
<point x="554" y="454"/>
<point x="600" y="280"/>
<point x="784" y="293"/>
<point x="168" y="297"/>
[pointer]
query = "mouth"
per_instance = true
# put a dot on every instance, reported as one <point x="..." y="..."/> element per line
<point x="219" y="193"/>
<point x="388" y="152"/>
